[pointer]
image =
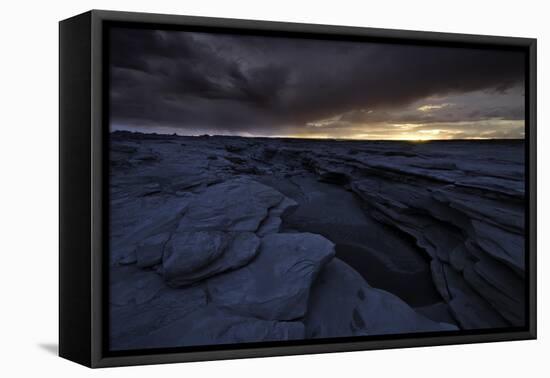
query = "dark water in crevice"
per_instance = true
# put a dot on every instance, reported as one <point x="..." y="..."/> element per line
<point x="375" y="251"/>
<point x="415" y="288"/>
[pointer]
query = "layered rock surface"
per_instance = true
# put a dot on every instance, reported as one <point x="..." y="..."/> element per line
<point x="218" y="240"/>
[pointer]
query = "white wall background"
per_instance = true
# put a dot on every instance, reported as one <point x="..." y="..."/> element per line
<point x="29" y="185"/>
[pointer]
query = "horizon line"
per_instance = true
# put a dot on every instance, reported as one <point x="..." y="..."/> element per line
<point x="316" y="138"/>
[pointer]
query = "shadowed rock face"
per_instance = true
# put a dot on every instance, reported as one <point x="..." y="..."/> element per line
<point x="343" y="304"/>
<point x="218" y="240"/>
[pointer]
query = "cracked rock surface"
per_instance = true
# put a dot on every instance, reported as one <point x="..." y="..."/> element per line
<point x="220" y="240"/>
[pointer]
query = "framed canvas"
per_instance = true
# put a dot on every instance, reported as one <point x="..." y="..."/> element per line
<point x="233" y="188"/>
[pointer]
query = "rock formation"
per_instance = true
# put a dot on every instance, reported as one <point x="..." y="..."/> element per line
<point x="227" y="240"/>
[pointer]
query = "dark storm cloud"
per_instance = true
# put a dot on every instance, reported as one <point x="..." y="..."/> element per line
<point x="261" y="85"/>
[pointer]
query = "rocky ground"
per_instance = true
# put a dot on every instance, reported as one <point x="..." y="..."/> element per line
<point x="218" y="240"/>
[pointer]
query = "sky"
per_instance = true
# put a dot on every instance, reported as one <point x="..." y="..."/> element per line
<point x="193" y="83"/>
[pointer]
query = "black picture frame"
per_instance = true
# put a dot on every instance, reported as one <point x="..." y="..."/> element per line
<point x="83" y="107"/>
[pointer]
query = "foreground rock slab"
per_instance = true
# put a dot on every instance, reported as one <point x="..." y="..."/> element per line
<point x="235" y="205"/>
<point x="276" y="284"/>
<point x="194" y="256"/>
